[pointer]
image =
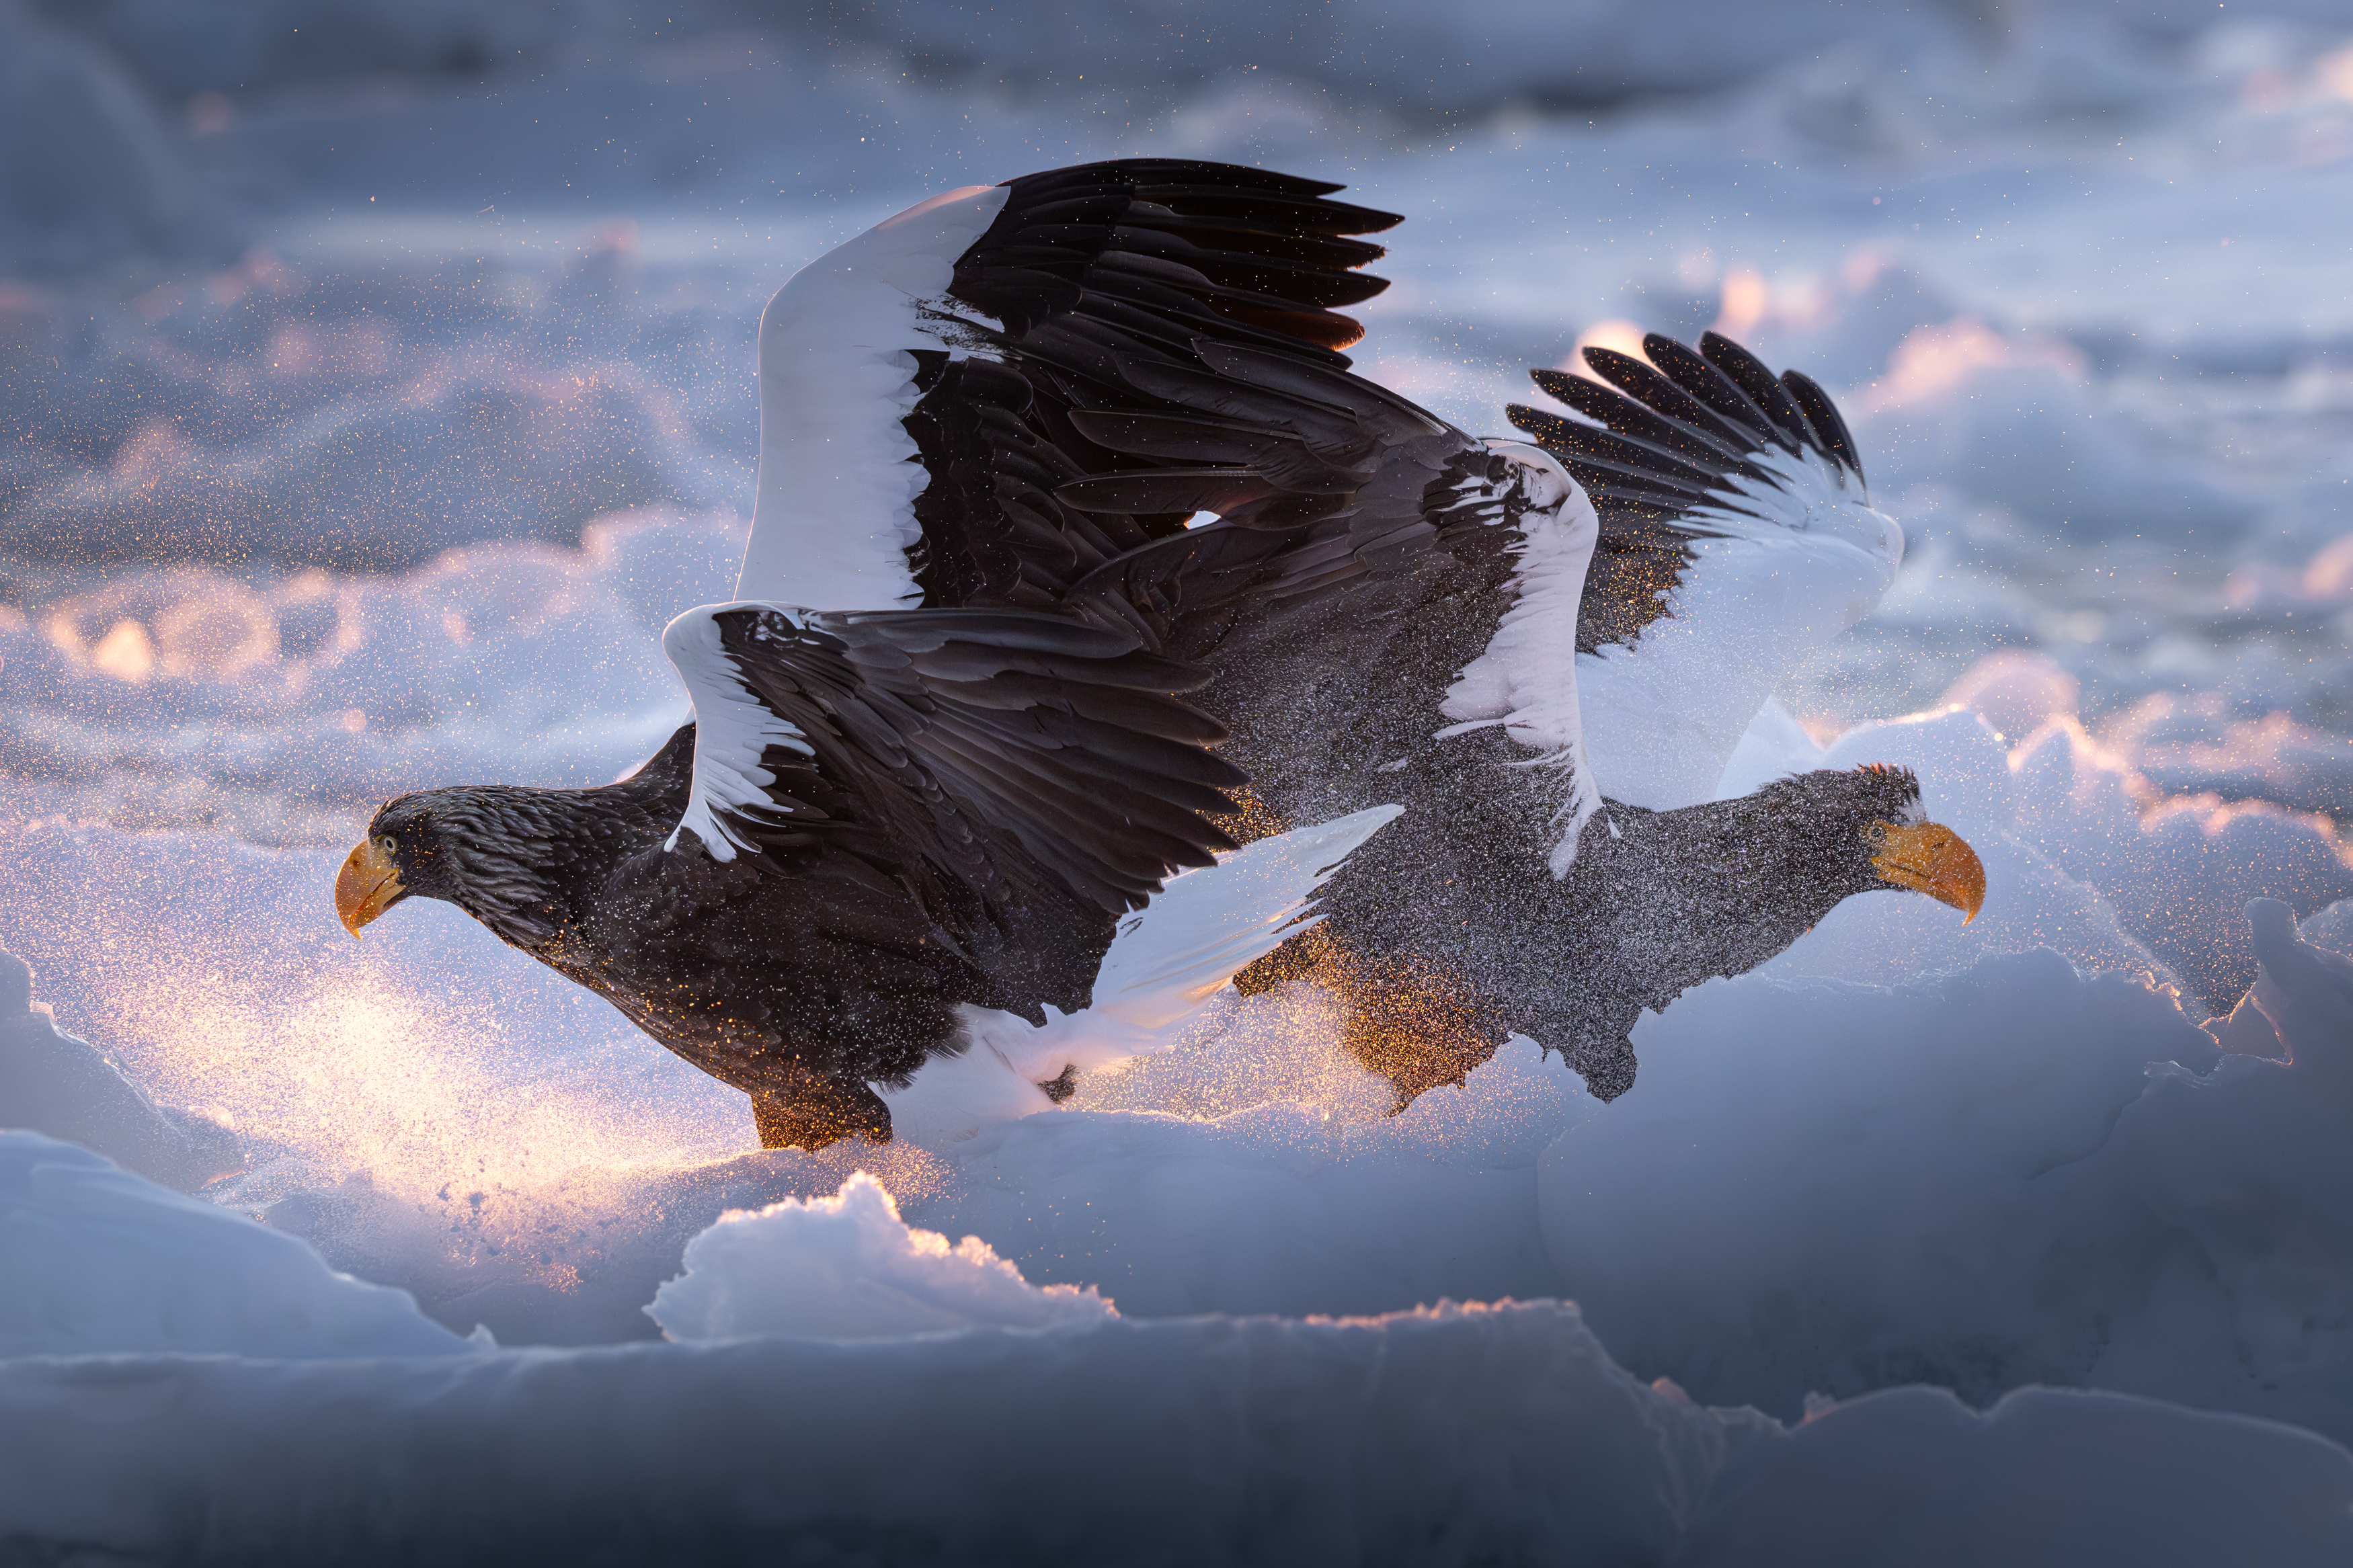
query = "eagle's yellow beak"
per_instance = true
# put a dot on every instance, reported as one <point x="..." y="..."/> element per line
<point x="1931" y="859"/>
<point x="368" y="882"/>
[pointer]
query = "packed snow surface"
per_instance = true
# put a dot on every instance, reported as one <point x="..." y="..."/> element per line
<point x="381" y="381"/>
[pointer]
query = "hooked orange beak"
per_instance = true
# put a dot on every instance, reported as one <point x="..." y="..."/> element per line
<point x="367" y="885"/>
<point x="1932" y="859"/>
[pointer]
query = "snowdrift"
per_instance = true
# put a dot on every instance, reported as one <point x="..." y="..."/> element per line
<point x="94" y="1260"/>
<point x="350" y="1428"/>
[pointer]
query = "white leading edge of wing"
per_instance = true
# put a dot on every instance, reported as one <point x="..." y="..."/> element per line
<point x="1526" y="680"/>
<point x="732" y="729"/>
<point x="835" y="513"/>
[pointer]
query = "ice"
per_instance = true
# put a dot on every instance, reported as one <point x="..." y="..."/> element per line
<point x="2064" y="1184"/>
<point x="282" y="708"/>
<point x="2017" y="693"/>
<point x="2177" y="871"/>
<point x="2198" y="747"/>
<point x="2084" y="854"/>
<point x="1818" y="1187"/>
<point x="1914" y="1476"/>
<point x="2300" y="1008"/>
<point x="847" y="1267"/>
<point x="96" y="1261"/>
<point x="53" y="1083"/>
<point x="1455" y="1435"/>
<point x="2032" y="901"/>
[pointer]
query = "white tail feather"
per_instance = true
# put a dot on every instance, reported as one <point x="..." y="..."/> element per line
<point x="1201" y="930"/>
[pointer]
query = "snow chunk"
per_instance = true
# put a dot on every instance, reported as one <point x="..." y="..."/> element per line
<point x="1966" y="784"/>
<point x="2177" y="873"/>
<point x="52" y="1083"/>
<point x="2300" y="1008"/>
<point x="2199" y="745"/>
<point x="847" y="1267"/>
<point x="2014" y="1175"/>
<point x="94" y="1260"/>
<point x="2016" y="692"/>
<point x="1869" y="1164"/>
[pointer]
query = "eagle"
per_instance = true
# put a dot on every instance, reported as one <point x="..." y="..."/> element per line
<point x="1127" y="402"/>
<point x="894" y="834"/>
<point x="875" y="822"/>
<point x="938" y="749"/>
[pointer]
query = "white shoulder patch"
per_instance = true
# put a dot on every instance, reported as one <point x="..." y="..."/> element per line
<point x="834" y="512"/>
<point x="732" y="729"/>
<point x="1526" y="678"/>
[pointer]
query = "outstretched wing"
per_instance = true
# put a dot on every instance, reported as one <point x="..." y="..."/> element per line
<point x="1364" y="544"/>
<point x="987" y="755"/>
<point x="914" y="382"/>
<point x="1736" y="538"/>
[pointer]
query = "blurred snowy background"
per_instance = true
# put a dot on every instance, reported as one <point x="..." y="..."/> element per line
<point x="375" y="381"/>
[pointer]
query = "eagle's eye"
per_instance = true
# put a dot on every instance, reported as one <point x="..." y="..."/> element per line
<point x="387" y="845"/>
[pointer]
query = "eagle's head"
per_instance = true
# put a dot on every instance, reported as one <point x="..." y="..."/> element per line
<point x="490" y="849"/>
<point x="1843" y="831"/>
<point x="1876" y="810"/>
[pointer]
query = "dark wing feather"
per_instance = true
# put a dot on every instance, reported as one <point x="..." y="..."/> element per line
<point x="1084" y="270"/>
<point x="996" y="750"/>
<point x="1664" y="438"/>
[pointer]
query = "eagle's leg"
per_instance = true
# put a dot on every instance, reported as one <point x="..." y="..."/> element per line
<point x="1413" y="1022"/>
<point x="817" y="1113"/>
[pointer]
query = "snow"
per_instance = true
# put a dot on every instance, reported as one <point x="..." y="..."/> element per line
<point x="310" y="497"/>
<point x="847" y="1267"/>
<point x="51" y="1081"/>
<point x="1452" y="1433"/>
<point x="96" y="1261"/>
